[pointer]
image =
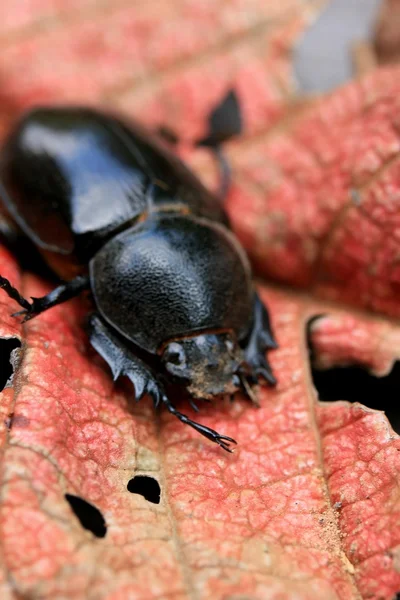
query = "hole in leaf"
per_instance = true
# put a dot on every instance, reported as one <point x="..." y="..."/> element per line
<point x="8" y="360"/>
<point x="89" y="516"/>
<point x="357" y="385"/>
<point x="145" y="486"/>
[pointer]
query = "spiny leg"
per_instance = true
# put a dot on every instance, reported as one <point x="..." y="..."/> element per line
<point x="124" y="362"/>
<point x="60" y="294"/>
<point x="260" y="340"/>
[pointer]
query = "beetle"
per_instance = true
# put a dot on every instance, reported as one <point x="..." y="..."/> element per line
<point x="115" y="212"/>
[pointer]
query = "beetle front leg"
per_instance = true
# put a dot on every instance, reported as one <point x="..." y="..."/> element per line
<point x="60" y="294"/>
<point x="222" y="440"/>
<point x="259" y="341"/>
<point x="123" y="362"/>
<point x="13" y="293"/>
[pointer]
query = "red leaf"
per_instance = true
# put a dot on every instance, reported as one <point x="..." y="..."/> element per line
<point x="342" y="339"/>
<point x="308" y="506"/>
<point x="322" y="199"/>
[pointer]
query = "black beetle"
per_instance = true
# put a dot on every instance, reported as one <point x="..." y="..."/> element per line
<point x="171" y="285"/>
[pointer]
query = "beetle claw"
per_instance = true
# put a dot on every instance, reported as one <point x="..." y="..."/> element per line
<point x="222" y="440"/>
<point x="18" y="313"/>
<point x="26" y="313"/>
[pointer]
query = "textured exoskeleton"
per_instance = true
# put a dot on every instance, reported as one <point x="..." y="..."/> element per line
<point x="172" y="289"/>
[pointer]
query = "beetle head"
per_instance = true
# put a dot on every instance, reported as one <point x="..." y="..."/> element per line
<point x="206" y="363"/>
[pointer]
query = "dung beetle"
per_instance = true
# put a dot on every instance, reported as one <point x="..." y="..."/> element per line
<point x="113" y="211"/>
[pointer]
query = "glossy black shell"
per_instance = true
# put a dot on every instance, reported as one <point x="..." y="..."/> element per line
<point x="171" y="276"/>
<point x="163" y="265"/>
<point x="75" y="176"/>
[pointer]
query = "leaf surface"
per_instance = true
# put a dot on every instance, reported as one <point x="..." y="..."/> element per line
<point x="308" y="506"/>
<point x="322" y="198"/>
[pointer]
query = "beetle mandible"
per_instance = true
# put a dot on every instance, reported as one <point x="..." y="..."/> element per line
<point x="172" y="289"/>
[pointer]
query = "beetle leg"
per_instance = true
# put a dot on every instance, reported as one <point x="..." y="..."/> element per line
<point x="259" y="341"/>
<point x="13" y="293"/>
<point x="222" y="440"/>
<point x="60" y="294"/>
<point x="225" y="170"/>
<point x="224" y="123"/>
<point x="123" y="361"/>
